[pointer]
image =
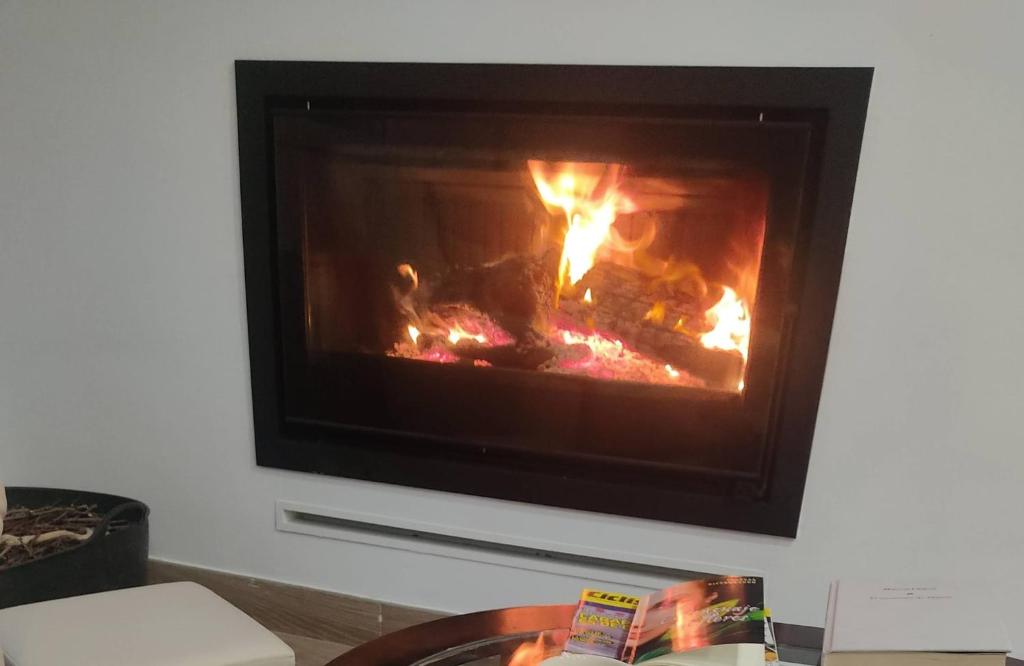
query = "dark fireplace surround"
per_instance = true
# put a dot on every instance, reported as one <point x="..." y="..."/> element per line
<point x="373" y="192"/>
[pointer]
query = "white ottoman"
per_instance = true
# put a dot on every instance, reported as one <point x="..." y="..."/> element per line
<point x="175" y="624"/>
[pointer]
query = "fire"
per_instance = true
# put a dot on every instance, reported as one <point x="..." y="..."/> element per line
<point x="405" y="270"/>
<point x="588" y="194"/>
<point x="679" y="642"/>
<point x="584" y="339"/>
<point x="656" y="314"/>
<point x="689" y="632"/>
<point x="601" y="357"/>
<point x="730" y="318"/>
<point x="531" y="654"/>
<point x="456" y="333"/>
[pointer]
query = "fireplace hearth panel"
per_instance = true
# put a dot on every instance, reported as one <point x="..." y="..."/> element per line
<point x="544" y="283"/>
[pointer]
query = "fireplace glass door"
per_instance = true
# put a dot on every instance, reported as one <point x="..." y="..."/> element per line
<point x="590" y="287"/>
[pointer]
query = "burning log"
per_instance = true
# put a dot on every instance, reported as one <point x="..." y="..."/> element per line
<point x="627" y="294"/>
<point x="505" y="314"/>
<point x="517" y="292"/>
<point x="653" y="319"/>
<point x="455" y="332"/>
<point x="521" y="357"/>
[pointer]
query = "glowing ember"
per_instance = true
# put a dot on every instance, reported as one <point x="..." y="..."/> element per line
<point x="576" y="352"/>
<point x="588" y="297"/>
<point x="588" y="194"/>
<point x="432" y="354"/>
<point x="593" y="354"/>
<point x="439" y="333"/>
<point x="730" y="319"/>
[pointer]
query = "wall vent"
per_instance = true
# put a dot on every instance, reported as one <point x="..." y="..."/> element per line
<point x="636" y="570"/>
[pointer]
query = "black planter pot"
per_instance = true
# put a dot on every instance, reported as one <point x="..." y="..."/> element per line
<point x="113" y="557"/>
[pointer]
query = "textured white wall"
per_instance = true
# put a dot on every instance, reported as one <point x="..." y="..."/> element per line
<point x="123" y="362"/>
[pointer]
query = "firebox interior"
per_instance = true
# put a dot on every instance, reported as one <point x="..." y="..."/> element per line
<point x="501" y="247"/>
<point x="492" y="276"/>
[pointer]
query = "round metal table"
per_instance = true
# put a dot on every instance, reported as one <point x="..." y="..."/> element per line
<point x="489" y="638"/>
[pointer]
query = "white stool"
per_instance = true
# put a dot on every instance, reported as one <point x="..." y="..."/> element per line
<point x="174" y="624"/>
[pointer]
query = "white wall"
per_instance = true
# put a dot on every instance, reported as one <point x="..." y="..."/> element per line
<point x="123" y="362"/>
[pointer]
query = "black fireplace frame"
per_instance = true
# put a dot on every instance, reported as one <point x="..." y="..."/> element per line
<point x="768" y="503"/>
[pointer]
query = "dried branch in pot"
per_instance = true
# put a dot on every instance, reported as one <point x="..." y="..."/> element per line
<point x="33" y="533"/>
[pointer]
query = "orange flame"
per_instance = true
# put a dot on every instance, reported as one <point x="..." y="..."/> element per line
<point x="588" y="194"/>
<point x="456" y="333"/>
<point x="730" y="318"/>
<point x="689" y="632"/>
<point x="679" y="642"/>
<point x="530" y="654"/>
<point x="592" y="196"/>
<point x="405" y="270"/>
<point x="656" y="314"/>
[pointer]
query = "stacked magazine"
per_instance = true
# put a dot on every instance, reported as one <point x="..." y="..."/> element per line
<point x="719" y="621"/>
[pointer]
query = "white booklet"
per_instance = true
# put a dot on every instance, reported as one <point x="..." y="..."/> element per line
<point x="922" y="617"/>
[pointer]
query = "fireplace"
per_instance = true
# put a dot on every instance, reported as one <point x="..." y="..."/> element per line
<point x="606" y="288"/>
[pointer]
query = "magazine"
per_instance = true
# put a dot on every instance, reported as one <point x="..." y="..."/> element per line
<point x="720" y="620"/>
<point x="601" y="624"/>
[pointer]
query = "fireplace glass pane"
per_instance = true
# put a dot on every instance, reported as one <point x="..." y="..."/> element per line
<point x="580" y="247"/>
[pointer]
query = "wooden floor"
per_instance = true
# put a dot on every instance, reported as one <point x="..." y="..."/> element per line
<point x="318" y="625"/>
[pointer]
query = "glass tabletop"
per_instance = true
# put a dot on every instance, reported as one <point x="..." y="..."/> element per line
<point x="512" y="637"/>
